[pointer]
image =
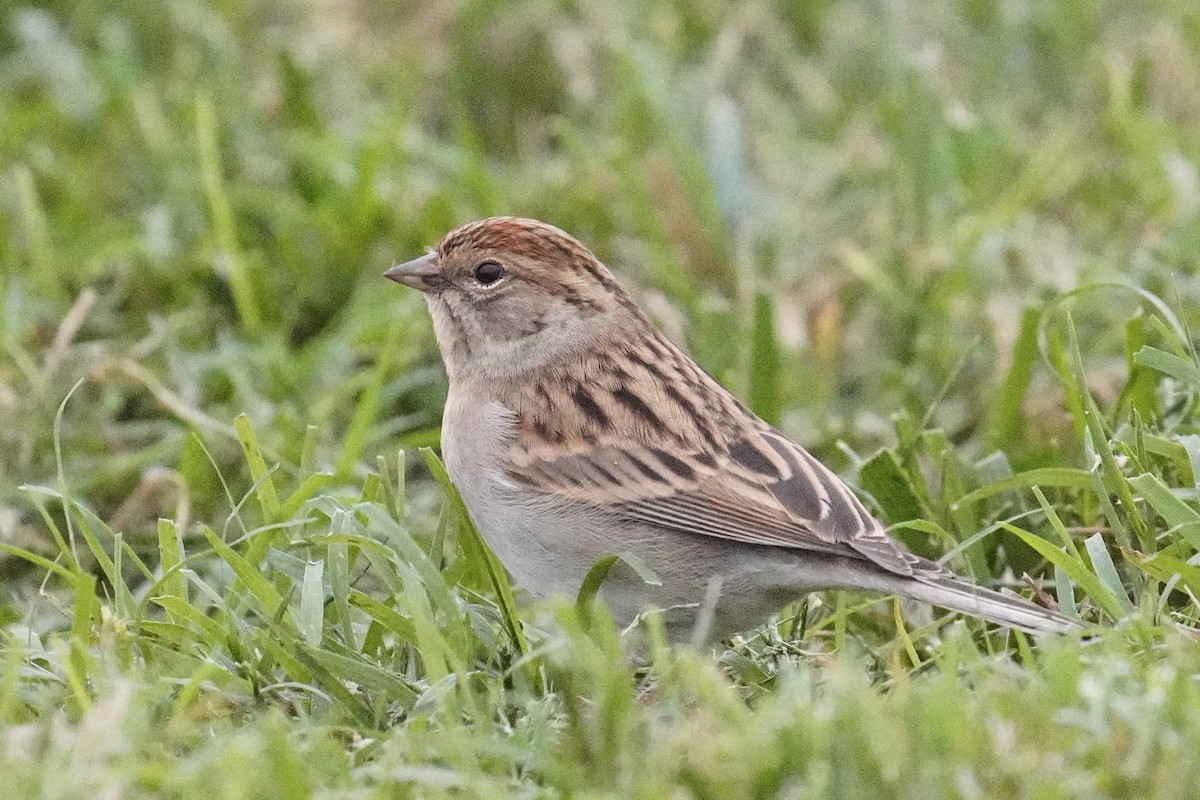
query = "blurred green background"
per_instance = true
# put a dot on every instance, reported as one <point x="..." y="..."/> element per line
<point x="222" y="184"/>
<point x="868" y="218"/>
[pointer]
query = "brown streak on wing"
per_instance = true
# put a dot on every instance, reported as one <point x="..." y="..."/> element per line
<point x="628" y="441"/>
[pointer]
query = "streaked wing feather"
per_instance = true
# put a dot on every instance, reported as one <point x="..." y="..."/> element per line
<point x="697" y="514"/>
<point x="795" y="478"/>
<point x="764" y="489"/>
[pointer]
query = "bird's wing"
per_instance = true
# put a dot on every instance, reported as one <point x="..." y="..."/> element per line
<point x="760" y="488"/>
<point x="647" y="435"/>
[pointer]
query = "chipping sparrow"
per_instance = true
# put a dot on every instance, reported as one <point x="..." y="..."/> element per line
<point x="574" y="430"/>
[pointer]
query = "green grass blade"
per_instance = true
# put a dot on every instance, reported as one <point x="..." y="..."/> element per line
<point x="886" y="481"/>
<point x="1065" y="592"/>
<point x="37" y="495"/>
<point x="1169" y="364"/>
<point x="1163" y="567"/>
<point x="1178" y="514"/>
<point x="1083" y="577"/>
<point x="386" y="616"/>
<point x="338" y="555"/>
<point x="38" y="561"/>
<point x="1115" y="480"/>
<point x="354" y="441"/>
<point x="765" y="396"/>
<point x="311" y="621"/>
<point x="1106" y="571"/>
<point x="1057" y="524"/>
<point x="591" y="585"/>
<point x="109" y="566"/>
<point x="313" y="484"/>
<point x="183" y="611"/>
<point x="308" y="451"/>
<point x="269" y="601"/>
<point x="265" y="491"/>
<point x="230" y="252"/>
<point x="1139" y="390"/>
<point x="1007" y="420"/>
<point x="406" y="553"/>
<point x="62" y="480"/>
<point x="170" y="561"/>
<point x="1057" y="477"/>
<point x="1190" y="444"/>
<point x="478" y="550"/>
<point x="345" y="667"/>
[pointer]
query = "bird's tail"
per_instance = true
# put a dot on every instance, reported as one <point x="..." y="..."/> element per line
<point x="1004" y="609"/>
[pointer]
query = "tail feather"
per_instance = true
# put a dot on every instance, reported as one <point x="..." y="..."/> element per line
<point x="1004" y="609"/>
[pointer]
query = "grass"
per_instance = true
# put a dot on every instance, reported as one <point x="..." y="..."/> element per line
<point x="950" y="248"/>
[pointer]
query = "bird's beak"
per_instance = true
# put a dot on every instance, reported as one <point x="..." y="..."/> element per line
<point x="416" y="273"/>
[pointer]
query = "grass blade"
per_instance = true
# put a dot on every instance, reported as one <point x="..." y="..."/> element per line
<point x="886" y="481"/>
<point x="1163" y="567"/>
<point x="1007" y="420"/>
<point x="1106" y="571"/>
<point x="1057" y="477"/>
<point x="1078" y="571"/>
<point x="267" y="497"/>
<point x="765" y="397"/>
<point x="311" y="622"/>
<point x="1178" y="514"/>
<point x="591" y="585"/>
<point x="269" y="601"/>
<point x="170" y="560"/>
<point x="479" y="551"/>
<point x="231" y="257"/>
<point x="1169" y="364"/>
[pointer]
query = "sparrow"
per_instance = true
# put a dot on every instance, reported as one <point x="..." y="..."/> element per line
<point x="574" y="430"/>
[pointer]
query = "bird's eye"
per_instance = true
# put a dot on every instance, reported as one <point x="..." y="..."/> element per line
<point x="488" y="272"/>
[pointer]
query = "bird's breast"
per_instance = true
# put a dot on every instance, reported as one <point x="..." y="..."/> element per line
<point x="476" y="433"/>
<point x="546" y="542"/>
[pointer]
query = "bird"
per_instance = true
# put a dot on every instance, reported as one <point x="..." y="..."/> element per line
<point x="575" y="430"/>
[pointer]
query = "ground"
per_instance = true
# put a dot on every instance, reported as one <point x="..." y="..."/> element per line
<point x="950" y="247"/>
